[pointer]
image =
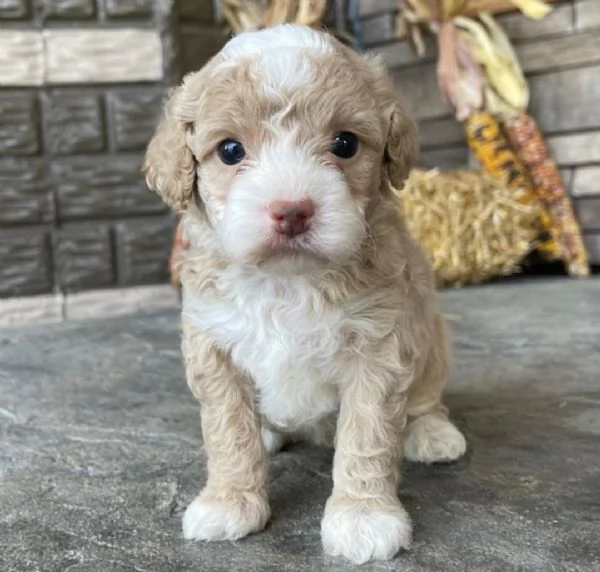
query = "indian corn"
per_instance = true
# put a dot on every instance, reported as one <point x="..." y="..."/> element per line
<point x="527" y="139"/>
<point x="493" y="150"/>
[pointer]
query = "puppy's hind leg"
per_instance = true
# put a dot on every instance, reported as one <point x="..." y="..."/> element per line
<point x="273" y="439"/>
<point x="433" y="438"/>
<point x="430" y="436"/>
<point x="321" y="433"/>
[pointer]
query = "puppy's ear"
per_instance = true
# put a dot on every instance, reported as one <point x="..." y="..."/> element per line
<point x="402" y="146"/>
<point x="169" y="165"/>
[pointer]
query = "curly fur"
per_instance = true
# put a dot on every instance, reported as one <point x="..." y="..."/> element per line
<point x="334" y="336"/>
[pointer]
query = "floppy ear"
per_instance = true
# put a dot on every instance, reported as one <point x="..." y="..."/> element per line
<point x="402" y="146"/>
<point x="169" y="165"/>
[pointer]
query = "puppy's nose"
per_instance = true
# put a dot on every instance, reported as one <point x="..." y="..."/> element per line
<point x="291" y="218"/>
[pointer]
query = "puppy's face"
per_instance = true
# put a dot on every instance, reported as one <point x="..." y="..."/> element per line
<point x="289" y="138"/>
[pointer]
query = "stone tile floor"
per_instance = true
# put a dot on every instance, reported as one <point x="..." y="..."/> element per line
<point x="100" y="450"/>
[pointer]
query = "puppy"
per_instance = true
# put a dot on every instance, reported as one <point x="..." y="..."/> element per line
<point x="308" y="310"/>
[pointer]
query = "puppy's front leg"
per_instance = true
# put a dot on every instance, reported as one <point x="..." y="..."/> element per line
<point x="234" y="501"/>
<point x="364" y="518"/>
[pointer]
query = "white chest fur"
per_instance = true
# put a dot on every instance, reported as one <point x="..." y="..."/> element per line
<point x="280" y="332"/>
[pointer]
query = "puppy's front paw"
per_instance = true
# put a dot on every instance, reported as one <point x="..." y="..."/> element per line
<point x="432" y="438"/>
<point x="212" y="518"/>
<point x="362" y="530"/>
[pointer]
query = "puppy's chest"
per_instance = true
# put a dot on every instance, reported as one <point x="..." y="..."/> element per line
<point x="291" y="346"/>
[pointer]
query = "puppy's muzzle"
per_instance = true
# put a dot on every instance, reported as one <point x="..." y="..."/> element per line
<point x="291" y="218"/>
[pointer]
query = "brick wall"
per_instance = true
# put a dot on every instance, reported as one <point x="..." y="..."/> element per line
<point x="81" y="85"/>
<point x="561" y="58"/>
<point x="81" y="88"/>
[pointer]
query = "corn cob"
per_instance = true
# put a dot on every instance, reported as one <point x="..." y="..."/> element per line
<point x="526" y="137"/>
<point x="493" y="150"/>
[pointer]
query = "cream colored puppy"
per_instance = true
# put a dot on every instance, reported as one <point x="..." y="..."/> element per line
<point x="308" y="310"/>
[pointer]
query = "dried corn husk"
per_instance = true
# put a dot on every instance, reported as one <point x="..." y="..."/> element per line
<point x="417" y="12"/>
<point x="243" y="15"/>
<point x="473" y="227"/>
<point x="440" y="10"/>
<point x="494" y="53"/>
<point x="311" y="13"/>
<point x="535" y="9"/>
<point x="459" y="77"/>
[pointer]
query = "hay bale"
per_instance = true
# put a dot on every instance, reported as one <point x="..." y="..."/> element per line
<point x="471" y="225"/>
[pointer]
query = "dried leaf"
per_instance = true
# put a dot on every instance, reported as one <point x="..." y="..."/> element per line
<point x="535" y="9"/>
<point x="459" y="76"/>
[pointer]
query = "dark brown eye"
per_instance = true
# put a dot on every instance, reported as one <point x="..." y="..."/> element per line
<point x="231" y="152"/>
<point x="344" y="145"/>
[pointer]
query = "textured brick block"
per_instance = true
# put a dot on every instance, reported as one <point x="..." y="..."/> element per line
<point x="66" y="9"/>
<point x="82" y="256"/>
<point x="196" y="10"/>
<point x="452" y="158"/>
<point x="587" y="14"/>
<point x="73" y="123"/>
<point x="418" y="86"/>
<point x="119" y="301"/>
<point x="560" y="52"/>
<point x="13" y="9"/>
<point x="102" y="187"/>
<point x="559" y="21"/>
<point x="128" y="8"/>
<point x="576" y="148"/>
<point x="142" y="248"/>
<point x="592" y="243"/>
<point x="401" y="53"/>
<point x="588" y="212"/>
<point x="25" y="195"/>
<point x="18" y="124"/>
<point x="199" y="45"/>
<point x="438" y="132"/>
<point x="586" y="181"/>
<point x="367" y="7"/>
<point x="102" y="55"/>
<point x="378" y="29"/>
<point x="25" y="268"/>
<point x="134" y="116"/>
<point x="567" y="100"/>
<point x="21" y="58"/>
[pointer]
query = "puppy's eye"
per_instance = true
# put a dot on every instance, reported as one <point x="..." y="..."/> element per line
<point x="231" y="152"/>
<point x="344" y="145"/>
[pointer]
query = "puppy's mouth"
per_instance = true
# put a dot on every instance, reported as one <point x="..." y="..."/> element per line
<point x="281" y="247"/>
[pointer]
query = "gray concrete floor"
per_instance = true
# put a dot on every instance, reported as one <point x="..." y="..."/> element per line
<point x="100" y="449"/>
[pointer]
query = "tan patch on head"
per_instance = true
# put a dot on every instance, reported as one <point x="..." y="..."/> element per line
<point x="345" y="95"/>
